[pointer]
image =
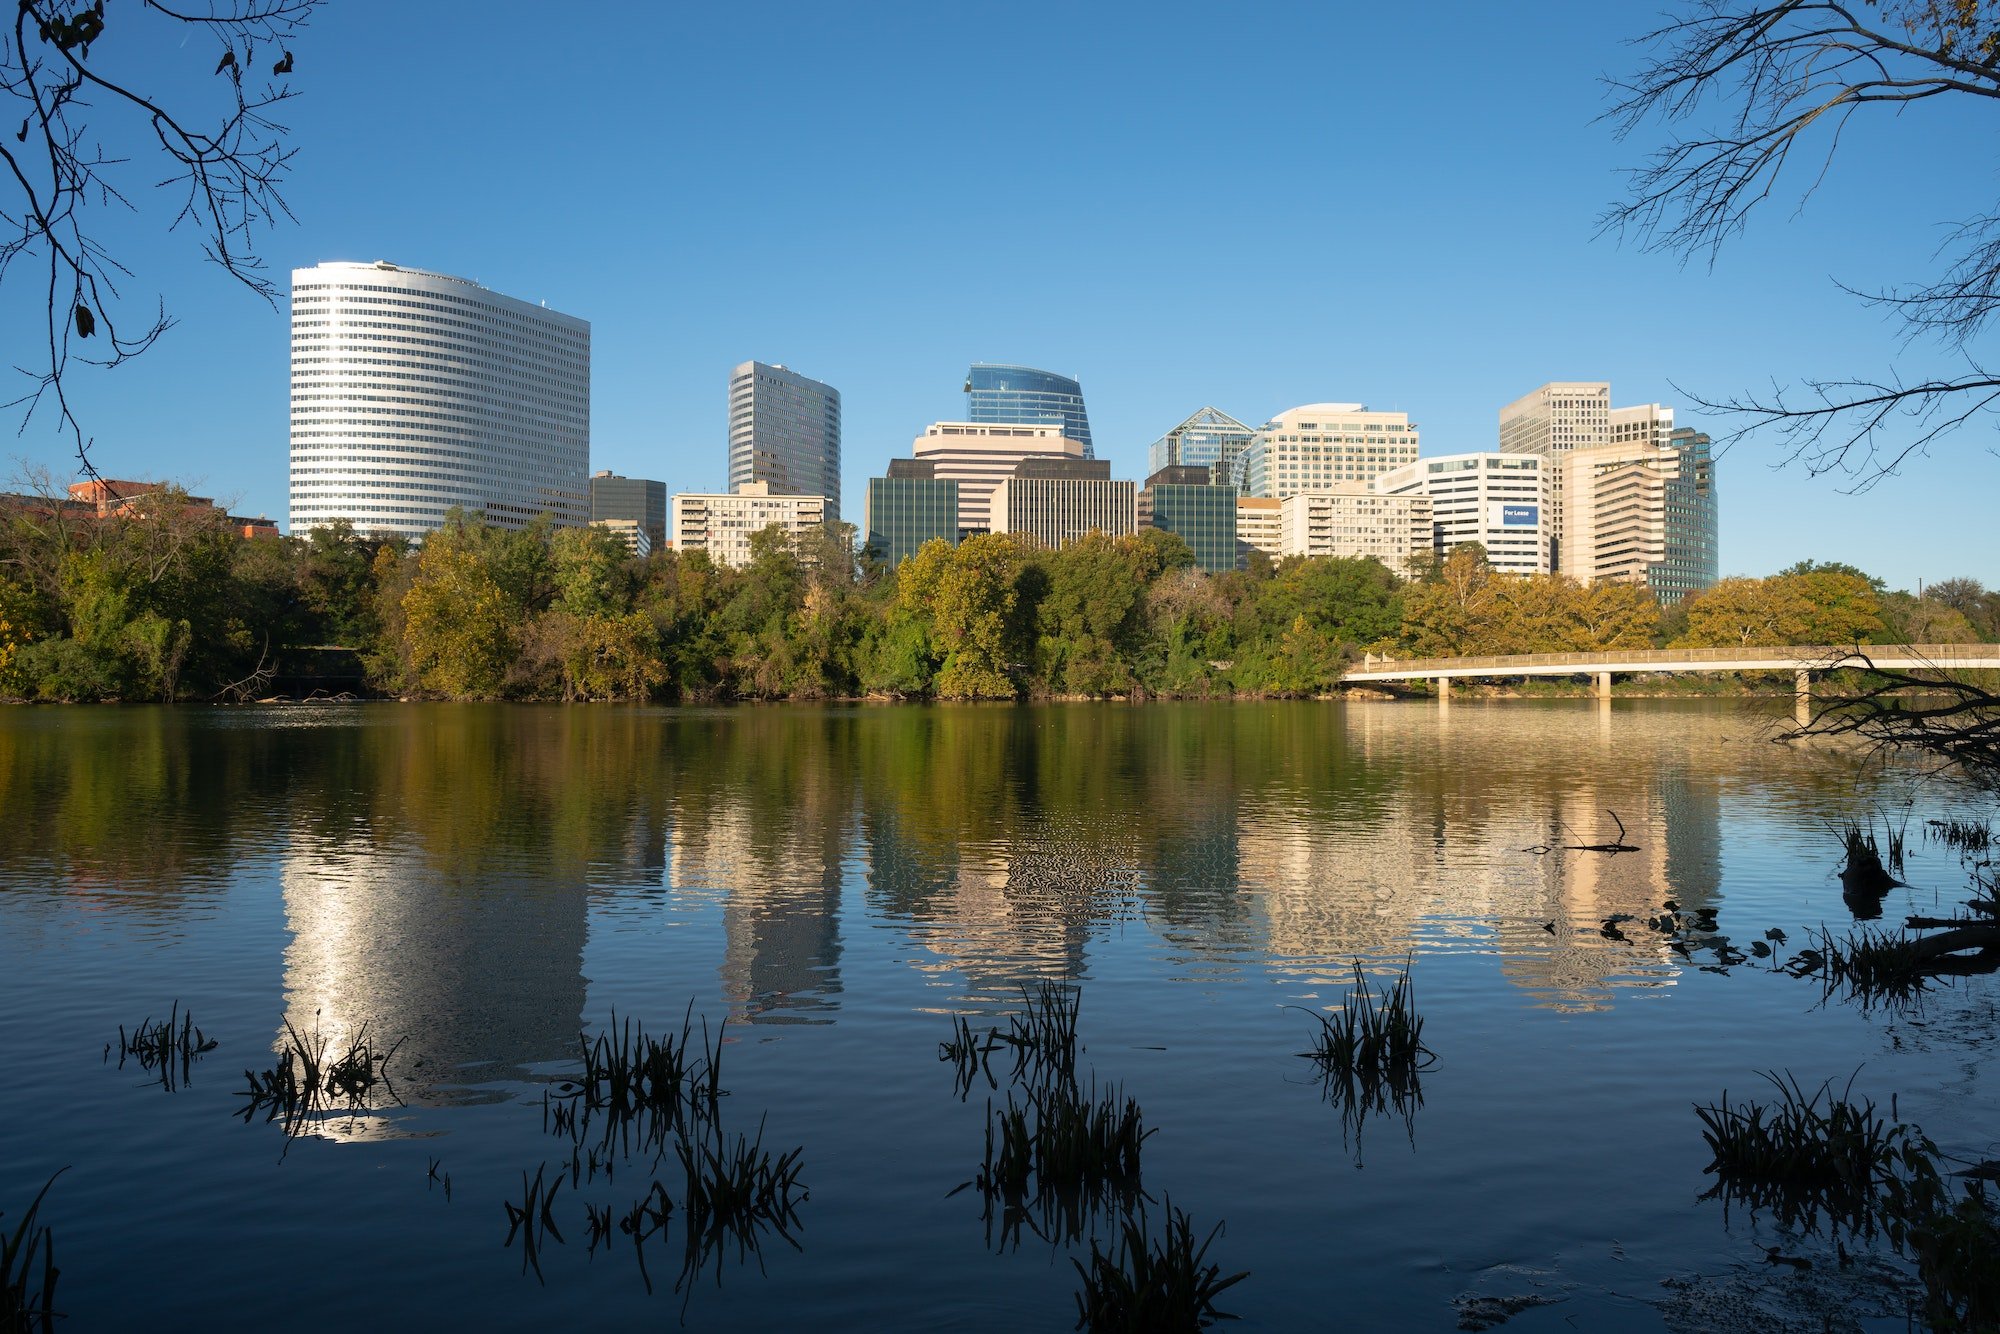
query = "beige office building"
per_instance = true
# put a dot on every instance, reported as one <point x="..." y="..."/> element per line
<point x="981" y="455"/>
<point x="1260" y="525"/>
<point x="1353" y="520"/>
<point x="1057" y="501"/>
<point x="722" y="524"/>
<point x="1324" y="445"/>
<point x="629" y="531"/>
<point x="1623" y="506"/>
<point x="1560" y="416"/>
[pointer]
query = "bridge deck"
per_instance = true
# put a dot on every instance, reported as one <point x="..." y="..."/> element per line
<point x="1809" y="658"/>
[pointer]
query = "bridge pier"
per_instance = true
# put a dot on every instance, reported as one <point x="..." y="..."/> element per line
<point x="1443" y="684"/>
<point x="1604" y="685"/>
<point x="1802" y="697"/>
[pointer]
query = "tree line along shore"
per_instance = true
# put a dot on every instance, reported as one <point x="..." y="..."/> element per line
<point x="165" y="601"/>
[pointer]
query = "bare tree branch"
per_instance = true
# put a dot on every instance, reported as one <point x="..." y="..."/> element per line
<point x="229" y="161"/>
<point x="1788" y="77"/>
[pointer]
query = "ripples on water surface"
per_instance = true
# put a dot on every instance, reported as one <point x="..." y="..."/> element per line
<point x="487" y="881"/>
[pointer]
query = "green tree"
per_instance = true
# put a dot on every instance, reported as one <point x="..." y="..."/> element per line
<point x="973" y="609"/>
<point x="460" y="624"/>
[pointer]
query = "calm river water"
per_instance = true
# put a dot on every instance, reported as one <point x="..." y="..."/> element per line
<point x="835" y="884"/>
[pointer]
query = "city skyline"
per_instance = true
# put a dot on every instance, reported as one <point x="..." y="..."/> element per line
<point x="1445" y="299"/>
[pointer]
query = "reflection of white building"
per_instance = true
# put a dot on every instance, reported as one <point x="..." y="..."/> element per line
<point x="477" y="978"/>
<point x="780" y="892"/>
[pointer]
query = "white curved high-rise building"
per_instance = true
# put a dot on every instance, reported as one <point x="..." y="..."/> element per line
<point x="414" y="392"/>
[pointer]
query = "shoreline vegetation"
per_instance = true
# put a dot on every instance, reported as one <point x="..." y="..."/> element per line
<point x="163" y="601"/>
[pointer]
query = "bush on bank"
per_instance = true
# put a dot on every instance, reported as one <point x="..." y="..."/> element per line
<point x="164" y="601"/>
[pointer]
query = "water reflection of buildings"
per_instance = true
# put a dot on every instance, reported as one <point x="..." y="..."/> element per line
<point x="1446" y="854"/>
<point x="999" y="913"/>
<point x="479" y="976"/>
<point x="780" y="885"/>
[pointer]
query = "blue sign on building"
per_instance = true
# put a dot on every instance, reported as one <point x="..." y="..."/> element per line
<point x="1520" y="516"/>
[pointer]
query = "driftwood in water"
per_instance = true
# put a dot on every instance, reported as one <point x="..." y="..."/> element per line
<point x="1619" y="845"/>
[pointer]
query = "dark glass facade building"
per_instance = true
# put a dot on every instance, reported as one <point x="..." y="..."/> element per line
<point x="1693" y="560"/>
<point x="635" y="498"/>
<point x="1022" y="394"/>
<point x="1182" y="501"/>
<point x="908" y="508"/>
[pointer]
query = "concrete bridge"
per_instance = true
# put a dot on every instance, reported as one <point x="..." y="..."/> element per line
<point x="1803" y="661"/>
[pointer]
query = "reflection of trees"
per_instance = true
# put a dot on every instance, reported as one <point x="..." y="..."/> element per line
<point x="1002" y="841"/>
<point x="129" y="810"/>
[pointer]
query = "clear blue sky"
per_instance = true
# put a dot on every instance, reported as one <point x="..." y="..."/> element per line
<point x="1253" y="206"/>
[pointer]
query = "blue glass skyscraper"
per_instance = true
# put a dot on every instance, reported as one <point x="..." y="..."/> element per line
<point x="1022" y="394"/>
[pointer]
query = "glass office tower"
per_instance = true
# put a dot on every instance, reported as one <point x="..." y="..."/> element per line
<point x="1022" y="394"/>
<point x="908" y="508"/>
<point x="1210" y="438"/>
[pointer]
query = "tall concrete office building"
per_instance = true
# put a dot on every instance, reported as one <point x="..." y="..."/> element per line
<point x="1322" y="445"/>
<point x="1641" y="514"/>
<point x="1352" y="520"/>
<point x="979" y="456"/>
<point x="1560" y="416"/>
<point x="784" y="431"/>
<point x="1021" y="395"/>
<point x="414" y="393"/>
<point x="1057" y="501"/>
<point x="722" y="524"/>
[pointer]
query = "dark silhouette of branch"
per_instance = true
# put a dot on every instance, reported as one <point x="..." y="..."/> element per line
<point x="225" y="162"/>
<point x="1864" y="428"/>
<point x="1771" y="80"/>
<point x="1935" y="713"/>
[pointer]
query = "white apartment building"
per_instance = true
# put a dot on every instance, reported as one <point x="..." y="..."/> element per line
<point x="1260" y="525"/>
<point x="722" y="524"/>
<point x="784" y="431"/>
<point x="981" y="455"/>
<point x="1497" y="500"/>
<point x="417" y="392"/>
<point x="1323" y="445"/>
<point x="1353" y="520"/>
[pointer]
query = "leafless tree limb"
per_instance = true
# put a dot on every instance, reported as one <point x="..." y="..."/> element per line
<point x="1786" y="78"/>
<point x="225" y="164"/>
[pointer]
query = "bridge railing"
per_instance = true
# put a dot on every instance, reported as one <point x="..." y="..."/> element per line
<point x="1803" y="655"/>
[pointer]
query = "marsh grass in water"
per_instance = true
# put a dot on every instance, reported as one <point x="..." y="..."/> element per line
<point x="28" y="1271"/>
<point x="1865" y="876"/>
<point x="1962" y="836"/>
<point x="1869" y="965"/>
<point x="970" y="1055"/>
<point x="1043" y="1034"/>
<point x="659" y="1098"/>
<point x="533" y="1219"/>
<point x="164" y="1048"/>
<point x="312" y="1078"/>
<point x="1055" y="1161"/>
<point x="1152" y="1286"/>
<point x="1374" y="1035"/>
<point x="1809" y="1158"/>
<point x="1818" y="1155"/>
